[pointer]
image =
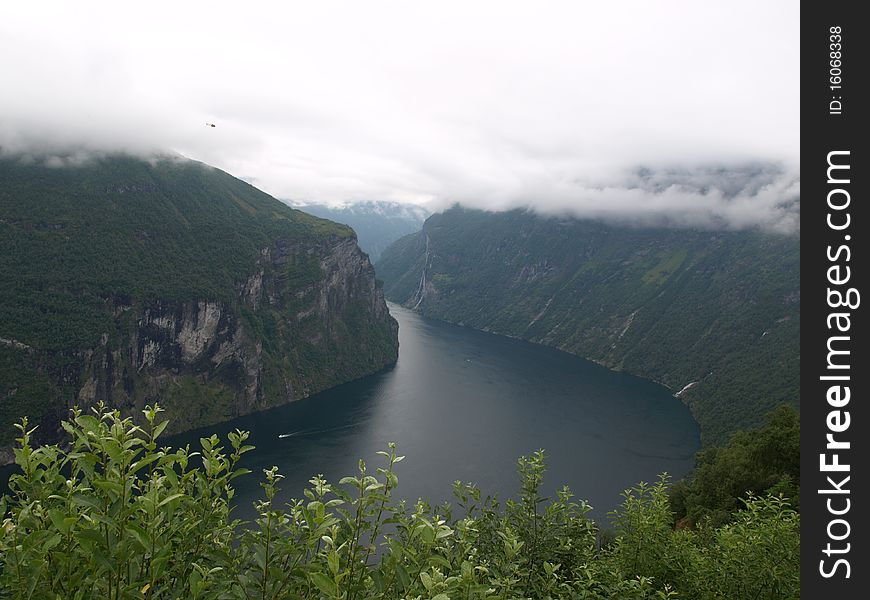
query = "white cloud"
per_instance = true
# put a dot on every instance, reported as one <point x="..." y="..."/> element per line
<point x="496" y="104"/>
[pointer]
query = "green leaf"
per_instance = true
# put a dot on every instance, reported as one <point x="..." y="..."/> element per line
<point x="139" y="535"/>
<point x="144" y="462"/>
<point x="427" y="581"/>
<point x="113" y="449"/>
<point x="170" y="498"/>
<point x="52" y="541"/>
<point x="90" y="536"/>
<point x="195" y="582"/>
<point x="404" y="578"/>
<point x="323" y="583"/>
<point x="396" y="549"/>
<point x="111" y="486"/>
<point x="378" y="580"/>
<point x="239" y="473"/>
<point x="427" y="534"/>
<point x="466" y="569"/>
<point x="58" y="519"/>
<point x="333" y="562"/>
<point x="86" y="500"/>
<point x="159" y="429"/>
<point x="88" y="423"/>
<point x="436" y="560"/>
<point x="260" y="556"/>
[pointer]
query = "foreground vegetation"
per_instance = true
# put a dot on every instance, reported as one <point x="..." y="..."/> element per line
<point x="758" y="461"/>
<point x="114" y="515"/>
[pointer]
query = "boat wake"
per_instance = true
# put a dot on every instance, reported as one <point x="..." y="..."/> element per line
<point x="314" y="431"/>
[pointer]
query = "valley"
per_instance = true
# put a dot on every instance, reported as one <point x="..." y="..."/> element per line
<point x="713" y="315"/>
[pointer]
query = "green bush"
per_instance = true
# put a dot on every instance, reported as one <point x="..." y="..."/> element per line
<point x="113" y="515"/>
<point x="754" y="462"/>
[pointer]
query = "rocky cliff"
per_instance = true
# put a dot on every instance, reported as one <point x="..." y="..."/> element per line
<point x="130" y="283"/>
<point x="204" y="360"/>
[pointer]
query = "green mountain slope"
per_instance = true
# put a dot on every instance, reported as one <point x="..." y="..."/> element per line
<point x="131" y="281"/>
<point x="716" y="311"/>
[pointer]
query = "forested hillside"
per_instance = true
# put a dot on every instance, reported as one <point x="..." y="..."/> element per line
<point x="714" y="315"/>
<point x="130" y="281"/>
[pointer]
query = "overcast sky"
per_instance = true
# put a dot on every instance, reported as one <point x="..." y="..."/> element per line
<point x="552" y="105"/>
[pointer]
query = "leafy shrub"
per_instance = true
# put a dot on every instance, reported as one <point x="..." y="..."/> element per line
<point x="113" y="515"/>
<point x="754" y="462"/>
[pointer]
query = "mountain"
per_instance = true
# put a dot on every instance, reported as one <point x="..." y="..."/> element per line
<point x="377" y="223"/>
<point x="132" y="282"/>
<point x="714" y="315"/>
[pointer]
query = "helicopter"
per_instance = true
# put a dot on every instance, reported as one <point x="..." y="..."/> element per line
<point x="210" y="125"/>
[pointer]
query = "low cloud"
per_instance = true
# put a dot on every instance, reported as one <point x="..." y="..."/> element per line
<point x="492" y="104"/>
<point x="764" y="196"/>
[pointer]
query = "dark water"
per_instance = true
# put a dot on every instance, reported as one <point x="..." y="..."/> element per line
<point x="464" y="404"/>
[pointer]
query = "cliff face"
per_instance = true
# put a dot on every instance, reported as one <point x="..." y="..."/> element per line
<point x="267" y="323"/>
<point x="205" y="363"/>
<point x="714" y="315"/>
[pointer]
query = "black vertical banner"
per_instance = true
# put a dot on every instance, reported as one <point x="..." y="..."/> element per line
<point x="834" y="258"/>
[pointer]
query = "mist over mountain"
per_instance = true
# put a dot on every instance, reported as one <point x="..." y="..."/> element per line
<point x="714" y="196"/>
<point x="377" y="223"/>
